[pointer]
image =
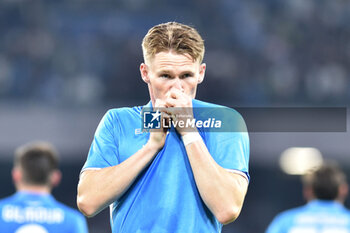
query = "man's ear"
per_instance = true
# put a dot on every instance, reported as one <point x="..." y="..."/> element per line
<point x="343" y="192"/>
<point x="202" y="68"/>
<point x="16" y="175"/>
<point x="308" y="193"/>
<point x="55" y="178"/>
<point x="144" y="72"/>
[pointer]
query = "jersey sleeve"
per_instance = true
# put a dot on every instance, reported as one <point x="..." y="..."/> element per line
<point x="104" y="147"/>
<point x="230" y="149"/>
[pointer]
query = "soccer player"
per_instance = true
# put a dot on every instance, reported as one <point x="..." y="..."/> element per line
<point x="172" y="180"/>
<point x="325" y="190"/>
<point x="32" y="208"/>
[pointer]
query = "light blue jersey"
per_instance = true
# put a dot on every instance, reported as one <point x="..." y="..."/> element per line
<point x="315" y="217"/>
<point x="26" y="212"/>
<point x="164" y="198"/>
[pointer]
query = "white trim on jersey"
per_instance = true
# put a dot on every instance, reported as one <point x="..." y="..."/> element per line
<point x="238" y="172"/>
<point x="89" y="168"/>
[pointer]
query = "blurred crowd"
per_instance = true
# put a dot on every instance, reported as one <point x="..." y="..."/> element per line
<point x="259" y="52"/>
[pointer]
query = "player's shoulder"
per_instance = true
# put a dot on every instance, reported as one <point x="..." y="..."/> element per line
<point x="7" y="200"/>
<point x="203" y="104"/>
<point x="284" y="220"/>
<point x="123" y="112"/>
<point x="232" y="120"/>
<point x="114" y="115"/>
<point x="291" y="213"/>
<point x="228" y="111"/>
<point x="345" y="211"/>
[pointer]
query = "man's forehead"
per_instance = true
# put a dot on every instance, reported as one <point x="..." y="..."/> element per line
<point x="169" y="60"/>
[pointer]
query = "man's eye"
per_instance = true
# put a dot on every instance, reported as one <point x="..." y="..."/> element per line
<point x="165" y="76"/>
<point x="187" y="75"/>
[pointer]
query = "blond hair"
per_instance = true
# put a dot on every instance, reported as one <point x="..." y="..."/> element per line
<point x="173" y="36"/>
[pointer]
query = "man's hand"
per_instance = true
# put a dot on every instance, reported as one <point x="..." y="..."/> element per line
<point x="179" y="108"/>
<point x="157" y="138"/>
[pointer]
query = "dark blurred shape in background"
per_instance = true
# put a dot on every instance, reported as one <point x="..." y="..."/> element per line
<point x="258" y="52"/>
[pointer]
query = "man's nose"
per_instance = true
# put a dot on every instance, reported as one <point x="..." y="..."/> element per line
<point x="177" y="84"/>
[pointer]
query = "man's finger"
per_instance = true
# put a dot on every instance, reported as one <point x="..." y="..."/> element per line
<point x="159" y="103"/>
<point x="169" y="102"/>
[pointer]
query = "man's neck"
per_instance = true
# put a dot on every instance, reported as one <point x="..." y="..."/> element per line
<point x="34" y="189"/>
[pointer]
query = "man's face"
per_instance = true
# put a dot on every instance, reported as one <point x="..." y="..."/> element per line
<point x="168" y="70"/>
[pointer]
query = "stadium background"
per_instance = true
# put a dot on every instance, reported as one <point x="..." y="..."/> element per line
<point x="64" y="63"/>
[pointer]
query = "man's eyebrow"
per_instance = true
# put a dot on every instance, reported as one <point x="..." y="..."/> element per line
<point x="188" y="72"/>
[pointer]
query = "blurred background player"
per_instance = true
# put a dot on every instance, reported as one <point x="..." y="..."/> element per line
<point x="32" y="208"/>
<point x="178" y="181"/>
<point x="325" y="189"/>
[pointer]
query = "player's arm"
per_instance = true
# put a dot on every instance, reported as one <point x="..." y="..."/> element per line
<point x="99" y="188"/>
<point x="222" y="191"/>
